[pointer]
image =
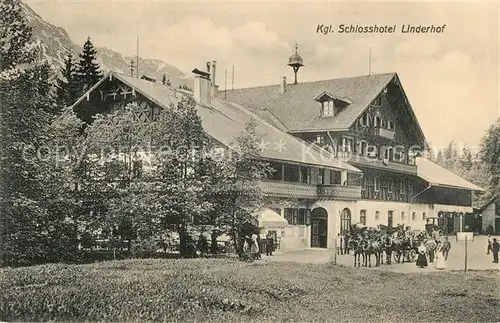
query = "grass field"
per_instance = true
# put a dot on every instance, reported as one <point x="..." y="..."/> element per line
<point x="227" y="290"/>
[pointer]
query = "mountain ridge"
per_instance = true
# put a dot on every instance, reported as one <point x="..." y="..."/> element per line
<point x="56" y="45"/>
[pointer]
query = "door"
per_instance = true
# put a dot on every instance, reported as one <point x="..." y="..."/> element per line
<point x="319" y="228"/>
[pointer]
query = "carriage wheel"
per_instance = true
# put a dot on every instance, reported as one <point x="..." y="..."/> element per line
<point x="413" y="255"/>
<point x="397" y="256"/>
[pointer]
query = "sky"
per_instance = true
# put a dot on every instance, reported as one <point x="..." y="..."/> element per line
<point x="450" y="78"/>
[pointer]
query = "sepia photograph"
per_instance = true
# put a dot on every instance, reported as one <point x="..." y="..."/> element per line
<point x="292" y="161"/>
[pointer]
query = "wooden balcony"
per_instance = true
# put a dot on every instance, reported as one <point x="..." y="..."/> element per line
<point x="288" y="189"/>
<point x="385" y="133"/>
<point x="309" y="191"/>
<point x="339" y="192"/>
<point x="363" y="161"/>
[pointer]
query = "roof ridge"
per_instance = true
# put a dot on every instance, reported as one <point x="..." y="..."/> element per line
<point x="312" y="82"/>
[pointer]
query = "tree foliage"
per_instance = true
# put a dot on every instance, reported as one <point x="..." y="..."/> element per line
<point x="88" y="70"/>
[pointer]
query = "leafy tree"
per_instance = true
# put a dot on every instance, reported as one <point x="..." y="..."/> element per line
<point x="236" y="195"/>
<point x="67" y="86"/>
<point x="490" y="154"/>
<point x="178" y="184"/>
<point x="88" y="70"/>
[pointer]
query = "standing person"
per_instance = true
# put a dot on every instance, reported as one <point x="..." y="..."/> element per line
<point x="421" y="259"/>
<point x="440" y="260"/>
<point x="346" y="244"/>
<point x="269" y="244"/>
<point x="445" y="249"/>
<point x="489" y="245"/>
<point x="495" y="247"/>
<point x="254" y="249"/>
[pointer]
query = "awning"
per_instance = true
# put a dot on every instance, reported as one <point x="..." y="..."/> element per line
<point x="271" y="219"/>
<point x="439" y="176"/>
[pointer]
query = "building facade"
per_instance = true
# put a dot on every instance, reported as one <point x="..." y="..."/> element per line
<point x="345" y="151"/>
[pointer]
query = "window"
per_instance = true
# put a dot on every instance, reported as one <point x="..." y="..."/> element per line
<point x="291" y="173"/>
<point x="365" y="120"/>
<point x="403" y="216"/>
<point x="414" y="216"/>
<point x="377" y="122"/>
<point x="302" y="217"/>
<point x="362" y="147"/>
<point x="289" y="215"/>
<point x="424" y="216"/>
<point x="321" y="176"/>
<point x="390" y="125"/>
<point x="347" y="144"/>
<point x="328" y="108"/>
<point x="362" y="217"/>
<point x="334" y="177"/>
<point x="377" y="184"/>
<point x="372" y="151"/>
<point x="278" y="172"/>
<point x="389" y="153"/>
<point x="402" y="187"/>
<point x="319" y="139"/>
<point x="410" y="189"/>
<point x="389" y="185"/>
<point x="305" y="175"/>
<point x="377" y="215"/>
<point x="378" y="101"/>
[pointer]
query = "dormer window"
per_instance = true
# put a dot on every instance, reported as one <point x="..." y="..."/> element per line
<point x="377" y="122"/>
<point x="331" y="104"/>
<point x="390" y="125"/>
<point x="328" y="108"/>
<point x="377" y="101"/>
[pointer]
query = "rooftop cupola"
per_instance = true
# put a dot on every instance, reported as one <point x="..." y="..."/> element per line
<point x="295" y="62"/>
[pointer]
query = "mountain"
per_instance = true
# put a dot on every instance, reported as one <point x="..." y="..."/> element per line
<point x="56" y="45"/>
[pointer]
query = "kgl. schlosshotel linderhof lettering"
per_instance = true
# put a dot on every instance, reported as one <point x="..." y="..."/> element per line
<point x="326" y="29"/>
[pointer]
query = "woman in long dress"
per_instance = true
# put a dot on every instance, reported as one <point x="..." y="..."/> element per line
<point x="254" y="249"/>
<point x="440" y="261"/>
<point x="422" y="259"/>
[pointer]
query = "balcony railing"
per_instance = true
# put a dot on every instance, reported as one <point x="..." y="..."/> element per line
<point x="309" y="191"/>
<point x="382" y="132"/>
<point x="339" y="192"/>
<point x="288" y="189"/>
<point x="382" y="164"/>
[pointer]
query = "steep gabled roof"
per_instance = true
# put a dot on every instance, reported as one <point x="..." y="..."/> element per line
<point x="439" y="176"/>
<point x="298" y="111"/>
<point x="224" y="121"/>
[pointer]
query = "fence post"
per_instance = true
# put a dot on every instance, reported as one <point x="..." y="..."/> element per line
<point x="465" y="269"/>
<point x="335" y="250"/>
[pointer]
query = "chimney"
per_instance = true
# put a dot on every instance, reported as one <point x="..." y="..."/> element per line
<point x="212" y="78"/>
<point x="283" y="85"/>
<point x="202" y="87"/>
<point x="208" y="67"/>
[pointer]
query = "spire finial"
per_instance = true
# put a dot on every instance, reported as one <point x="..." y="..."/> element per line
<point x="296" y="47"/>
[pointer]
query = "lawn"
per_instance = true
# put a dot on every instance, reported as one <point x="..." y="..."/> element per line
<point x="228" y="290"/>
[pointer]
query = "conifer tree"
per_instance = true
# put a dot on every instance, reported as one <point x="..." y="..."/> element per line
<point x="26" y="111"/>
<point x="67" y="86"/>
<point x="16" y="45"/>
<point x="88" y="70"/>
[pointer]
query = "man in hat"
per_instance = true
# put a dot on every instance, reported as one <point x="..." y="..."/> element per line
<point x="495" y="247"/>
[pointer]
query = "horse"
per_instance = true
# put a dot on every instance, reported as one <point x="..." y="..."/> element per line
<point x="372" y="248"/>
<point x="355" y="245"/>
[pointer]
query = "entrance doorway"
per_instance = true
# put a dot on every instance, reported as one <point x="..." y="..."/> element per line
<point x="345" y="221"/>
<point x="319" y="228"/>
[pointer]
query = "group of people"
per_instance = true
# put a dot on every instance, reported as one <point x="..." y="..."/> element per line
<point x="494" y="247"/>
<point x="435" y="250"/>
<point x="251" y="245"/>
